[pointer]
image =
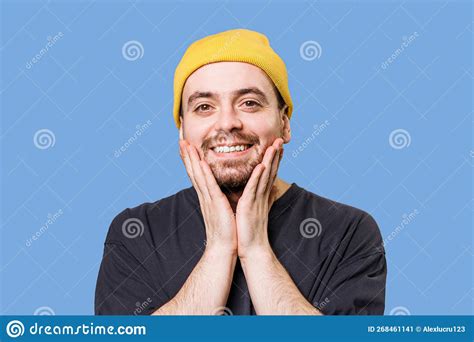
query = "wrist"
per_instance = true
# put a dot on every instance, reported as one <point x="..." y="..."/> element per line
<point x="220" y="251"/>
<point x="259" y="253"/>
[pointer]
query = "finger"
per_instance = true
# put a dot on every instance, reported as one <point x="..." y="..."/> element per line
<point x="268" y="177"/>
<point x="272" y="196"/>
<point x="211" y="182"/>
<point x="267" y="162"/>
<point x="189" y="169"/>
<point x="278" y="142"/>
<point x="274" y="169"/>
<point x="186" y="160"/>
<point x="197" y="171"/>
<point x="250" y="190"/>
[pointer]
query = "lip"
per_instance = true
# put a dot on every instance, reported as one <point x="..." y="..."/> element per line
<point x="237" y="143"/>
<point x="234" y="154"/>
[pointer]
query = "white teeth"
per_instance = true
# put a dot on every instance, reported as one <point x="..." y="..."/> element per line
<point x="227" y="149"/>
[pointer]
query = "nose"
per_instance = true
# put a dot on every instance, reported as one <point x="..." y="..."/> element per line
<point x="228" y="120"/>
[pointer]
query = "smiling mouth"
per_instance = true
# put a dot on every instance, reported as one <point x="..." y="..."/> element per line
<point x="231" y="150"/>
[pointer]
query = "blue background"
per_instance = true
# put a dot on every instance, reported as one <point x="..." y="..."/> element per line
<point x="92" y="98"/>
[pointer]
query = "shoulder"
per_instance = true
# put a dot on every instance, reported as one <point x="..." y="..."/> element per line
<point x="326" y="207"/>
<point x="353" y="227"/>
<point x="135" y="221"/>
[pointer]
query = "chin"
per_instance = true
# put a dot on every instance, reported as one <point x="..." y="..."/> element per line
<point x="232" y="174"/>
<point x="233" y="178"/>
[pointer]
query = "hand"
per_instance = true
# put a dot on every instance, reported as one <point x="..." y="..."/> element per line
<point x="219" y="219"/>
<point x="255" y="203"/>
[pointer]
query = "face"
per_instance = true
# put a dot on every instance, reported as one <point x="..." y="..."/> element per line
<point x="231" y="115"/>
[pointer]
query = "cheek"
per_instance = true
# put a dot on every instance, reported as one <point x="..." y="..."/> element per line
<point x="266" y="126"/>
<point x="268" y="137"/>
<point x="192" y="133"/>
<point x="195" y="137"/>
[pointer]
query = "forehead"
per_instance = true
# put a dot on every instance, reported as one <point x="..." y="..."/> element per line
<point x="225" y="77"/>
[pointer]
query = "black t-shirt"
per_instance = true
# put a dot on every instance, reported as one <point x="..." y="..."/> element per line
<point x="333" y="252"/>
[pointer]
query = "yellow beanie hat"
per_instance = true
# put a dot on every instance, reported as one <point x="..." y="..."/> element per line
<point x="239" y="45"/>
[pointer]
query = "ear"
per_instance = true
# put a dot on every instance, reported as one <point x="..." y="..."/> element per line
<point x="181" y="135"/>
<point x="286" y="129"/>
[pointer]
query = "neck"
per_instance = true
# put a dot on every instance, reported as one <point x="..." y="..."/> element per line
<point x="279" y="188"/>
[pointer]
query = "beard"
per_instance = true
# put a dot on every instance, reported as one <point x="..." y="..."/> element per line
<point x="232" y="175"/>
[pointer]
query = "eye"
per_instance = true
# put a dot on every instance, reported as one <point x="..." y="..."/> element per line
<point x="203" y="108"/>
<point x="251" y="103"/>
<point x="250" y="106"/>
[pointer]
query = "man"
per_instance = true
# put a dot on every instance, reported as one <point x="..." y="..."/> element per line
<point x="241" y="240"/>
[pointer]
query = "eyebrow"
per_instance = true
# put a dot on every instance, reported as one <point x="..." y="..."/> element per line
<point x="198" y="94"/>
<point x="207" y="94"/>
<point x="252" y="90"/>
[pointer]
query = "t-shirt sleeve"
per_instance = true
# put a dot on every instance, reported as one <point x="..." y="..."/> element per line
<point x="124" y="285"/>
<point x="357" y="286"/>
